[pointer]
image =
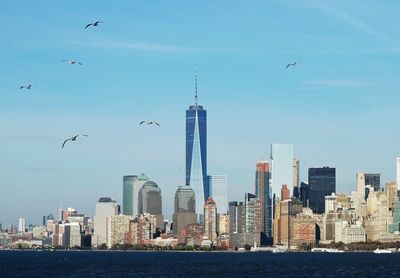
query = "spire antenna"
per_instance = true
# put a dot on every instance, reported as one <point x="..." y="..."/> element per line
<point x="195" y="89"/>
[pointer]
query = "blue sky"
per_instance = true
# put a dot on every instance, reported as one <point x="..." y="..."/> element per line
<point x="339" y="106"/>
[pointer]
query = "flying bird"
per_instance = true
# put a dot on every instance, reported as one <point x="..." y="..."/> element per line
<point x="71" y="62"/>
<point x="73" y="138"/>
<point x="149" y="122"/>
<point x="94" y="24"/>
<point x="292" y="64"/>
<point x="26" y="87"/>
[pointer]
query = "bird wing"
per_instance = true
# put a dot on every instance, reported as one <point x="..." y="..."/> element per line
<point x="84" y="135"/>
<point x="65" y="142"/>
<point x="157" y="123"/>
<point x="80" y="63"/>
<point x="142" y="122"/>
<point x="90" y="24"/>
<point x="21" y="87"/>
<point x="288" y="65"/>
<point x="64" y="60"/>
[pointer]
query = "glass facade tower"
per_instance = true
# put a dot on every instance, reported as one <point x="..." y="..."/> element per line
<point x="321" y="182"/>
<point x="196" y="153"/>
<point x="263" y="192"/>
<point x="281" y="166"/>
<point x="218" y="187"/>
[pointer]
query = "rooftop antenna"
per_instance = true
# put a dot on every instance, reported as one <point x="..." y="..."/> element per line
<point x="195" y="89"/>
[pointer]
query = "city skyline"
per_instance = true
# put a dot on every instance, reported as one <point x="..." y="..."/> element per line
<point x="323" y="106"/>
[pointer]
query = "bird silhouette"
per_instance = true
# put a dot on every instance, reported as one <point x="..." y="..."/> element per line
<point x="26" y="87"/>
<point x="149" y="122"/>
<point x="71" y="62"/>
<point x="292" y="64"/>
<point x="94" y="24"/>
<point x="73" y="138"/>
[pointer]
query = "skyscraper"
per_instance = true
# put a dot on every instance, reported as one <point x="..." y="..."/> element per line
<point x="236" y="217"/>
<point x="398" y="173"/>
<point x="21" y="225"/>
<point x="105" y="208"/>
<point x="374" y="180"/>
<point x="196" y="152"/>
<point x="263" y="192"/>
<point x="321" y="182"/>
<point x="127" y="194"/>
<point x="184" y="212"/>
<point x="150" y="201"/>
<point x="219" y="191"/>
<point x="296" y="178"/>
<point x="131" y="186"/>
<point x="282" y="166"/>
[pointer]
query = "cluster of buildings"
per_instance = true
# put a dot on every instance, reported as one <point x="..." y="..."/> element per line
<point x="281" y="210"/>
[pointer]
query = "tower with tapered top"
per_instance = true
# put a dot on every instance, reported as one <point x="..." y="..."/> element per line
<point x="196" y="153"/>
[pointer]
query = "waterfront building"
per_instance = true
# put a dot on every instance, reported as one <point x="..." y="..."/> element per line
<point x="302" y="229"/>
<point x="119" y="229"/>
<point x="72" y="235"/>
<point x="196" y="153"/>
<point x="223" y="226"/>
<point x="252" y="223"/>
<point x="150" y="202"/>
<point x="282" y="166"/>
<point x="105" y="209"/>
<point x="37" y="232"/>
<point x="131" y="187"/>
<point x="184" y="211"/>
<point x="322" y="182"/>
<point x="218" y="186"/>
<point x="210" y="220"/>
<point x="376" y="224"/>
<point x="264" y="194"/>
<point x="142" y="229"/>
<point x="58" y="234"/>
<point x="348" y="232"/>
<point x="21" y="225"/>
<point x="69" y="212"/>
<point x="194" y="234"/>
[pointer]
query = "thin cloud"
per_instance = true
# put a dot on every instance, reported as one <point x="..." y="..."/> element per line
<point x="351" y="20"/>
<point x="136" y="45"/>
<point x="337" y="83"/>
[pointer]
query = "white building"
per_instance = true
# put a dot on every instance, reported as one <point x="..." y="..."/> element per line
<point x="218" y="185"/>
<point x="330" y="203"/>
<point x="21" y="225"/>
<point x="105" y="209"/>
<point x="72" y="235"/>
<point x="349" y="233"/>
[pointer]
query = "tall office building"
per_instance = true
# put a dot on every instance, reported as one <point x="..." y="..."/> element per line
<point x="285" y="193"/>
<point x="105" y="208"/>
<point x="321" y="182"/>
<point x="210" y="220"/>
<point x="252" y="219"/>
<point x="296" y="178"/>
<point x="184" y="211"/>
<point x="21" y="225"/>
<point x="236" y="217"/>
<point x="219" y="191"/>
<point x="72" y="235"/>
<point x="398" y="173"/>
<point x="196" y="153"/>
<point x="131" y="188"/>
<point x="282" y="166"/>
<point x="263" y="192"/>
<point x="150" y="201"/>
<point x="374" y="180"/>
